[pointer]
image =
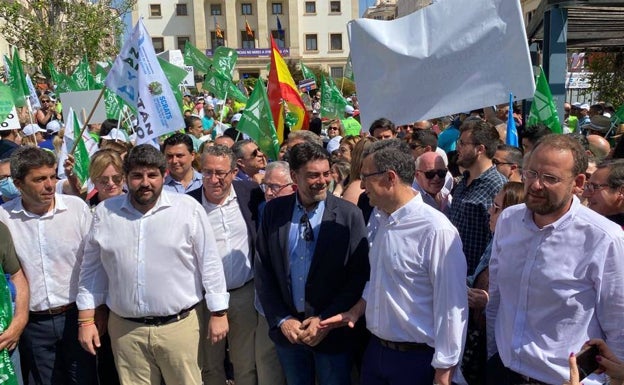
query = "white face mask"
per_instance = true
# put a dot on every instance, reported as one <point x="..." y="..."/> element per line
<point x="8" y="189"/>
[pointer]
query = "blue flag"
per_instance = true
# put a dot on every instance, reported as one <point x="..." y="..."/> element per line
<point x="279" y="27"/>
<point x="512" y="131"/>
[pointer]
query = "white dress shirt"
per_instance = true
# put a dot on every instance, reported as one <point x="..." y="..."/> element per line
<point x="50" y="248"/>
<point x="552" y="289"/>
<point x="417" y="288"/>
<point x="152" y="264"/>
<point x="230" y="232"/>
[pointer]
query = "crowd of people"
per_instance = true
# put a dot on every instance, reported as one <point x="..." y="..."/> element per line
<point x="428" y="253"/>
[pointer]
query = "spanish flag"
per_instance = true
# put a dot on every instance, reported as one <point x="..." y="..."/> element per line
<point x="248" y="29"/>
<point x="284" y="95"/>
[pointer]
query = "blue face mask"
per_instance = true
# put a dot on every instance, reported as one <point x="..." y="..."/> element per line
<point x="8" y="189"/>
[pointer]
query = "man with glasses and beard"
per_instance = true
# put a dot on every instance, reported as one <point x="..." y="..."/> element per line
<point x="475" y="193"/>
<point x="312" y="263"/>
<point x="555" y="273"/>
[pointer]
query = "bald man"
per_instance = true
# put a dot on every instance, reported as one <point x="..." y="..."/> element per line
<point x="429" y="181"/>
<point x="598" y="146"/>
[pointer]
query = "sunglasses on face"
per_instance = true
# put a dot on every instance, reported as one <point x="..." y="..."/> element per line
<point x="116" y="179"/>
<point x="441" y="173"/>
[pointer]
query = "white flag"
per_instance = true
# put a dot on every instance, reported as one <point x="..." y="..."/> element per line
<point x="34" y="100"/>
<point x="449" y="57"/>
<point x="139" y="80"/>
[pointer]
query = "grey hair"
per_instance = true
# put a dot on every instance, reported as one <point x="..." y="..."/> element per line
<point x="219" y="150"/>
<point x="395" y="155"/>
<point x="279" y="166"/>
<point x="306" y="135"/>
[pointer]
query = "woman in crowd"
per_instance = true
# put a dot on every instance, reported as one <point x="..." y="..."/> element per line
<point x="106" y="173"/>
<point x="475" y="356"/>
<point x="340" y="171"/>
<point x="347" y="144"/>
<point x="608" y="363"/>
<point x="47" y="112"/>
<point x="354" y="190"/>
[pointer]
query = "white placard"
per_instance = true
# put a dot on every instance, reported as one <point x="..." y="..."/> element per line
<point x="11" y="122"/>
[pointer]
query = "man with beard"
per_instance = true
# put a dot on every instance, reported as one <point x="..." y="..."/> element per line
<point x="150" y="256"/>
<point x="555" y="273"/>
<point x="475" y="193"/>
<point x="312" y="263"/>
<point x="182" y="177"/>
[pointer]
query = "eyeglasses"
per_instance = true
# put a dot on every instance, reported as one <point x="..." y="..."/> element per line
<point x="593" y="187"/>
<point x="116" y="179"/>
<point x="461" y="143"/>
<point x="333" y="128"/>
<point x="441" y="173"/>
<point x="497" y="162"/>
<point x="275" y="188"/>
<point x="308" y="233"/>
<point x="256" y="152"/>
<point x="46" y="101"/>
<point x="545" y="179"/>
<point x="414" y="145"/>
<point x="208" y="174"/>
<point x="496" y="208"/>
<point x="364" y="176"/>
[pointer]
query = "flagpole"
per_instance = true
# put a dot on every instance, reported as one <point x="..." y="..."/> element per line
<point x="84" y="126"/>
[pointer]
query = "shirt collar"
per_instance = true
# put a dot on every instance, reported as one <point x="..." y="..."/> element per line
<point x="163" y="202"/>
<point x="559" y="223"/>
<point x="170" y="181"/>
<point x="230" y="197"/>
<point x="59" y="206"/>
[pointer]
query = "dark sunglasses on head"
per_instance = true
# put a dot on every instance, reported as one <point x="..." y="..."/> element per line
<point x="432" y="173"/>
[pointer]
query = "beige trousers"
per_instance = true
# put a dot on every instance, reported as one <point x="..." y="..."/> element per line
<point x="269" y="368"/>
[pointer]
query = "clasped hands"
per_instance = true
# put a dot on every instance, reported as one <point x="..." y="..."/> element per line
<point x="308" y="332"/>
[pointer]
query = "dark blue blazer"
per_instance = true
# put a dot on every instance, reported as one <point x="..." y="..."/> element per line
<point x="338" y="271"/>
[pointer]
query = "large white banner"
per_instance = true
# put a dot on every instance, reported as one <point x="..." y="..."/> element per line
<point x="452" y="56"/>
<point x="136" y="76"/>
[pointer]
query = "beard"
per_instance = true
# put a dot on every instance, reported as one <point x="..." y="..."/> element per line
<point x="546" y="205"/>
<point x="144" y="199"/>
<point x="466" y="160"/>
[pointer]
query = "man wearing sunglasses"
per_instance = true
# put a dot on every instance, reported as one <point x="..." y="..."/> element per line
<point x="429" y="181"/>
<point x="232" y="208"/>
<point x="250" y="160"/>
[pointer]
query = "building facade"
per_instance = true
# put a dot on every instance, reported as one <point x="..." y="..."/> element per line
<point x="314" y="32"/>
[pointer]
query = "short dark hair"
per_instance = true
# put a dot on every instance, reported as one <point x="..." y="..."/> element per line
<point x="237" y="148"/>
<point x="305" y="152"/>
<point x="179" y="138"/>
<point x="482" y="133"/>
<point x="393" y="154"/>
<point x="219" y="150"/>
<point x="425" y="138"/>
<point x="535" y="132"/>
<point x="566" y="142"/>
<point x="107" y="126"/>
<point x="616" y="172"/>
<point x="514" y="154"/>
<point x="144" y="155"/>
<point x="27" y="158"/>
<point x="384" y="124"/>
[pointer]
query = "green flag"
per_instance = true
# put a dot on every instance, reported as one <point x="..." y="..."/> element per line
<point x="196" y="58"/>
<point x="7" y="372"/>
<point x="257" y="122"/>
<point x="543" y="108"/>
<point x="18" y="80"/>
<point x="618" y="117"/>
<point x="81" y="155"/>
<point x="224" y="60"/>
<point x="220" y="85"/>
<point x="63" y="82"/>
<point x="6" y="101"/>
<point x="306" y="72"/>
<point x="332" y="102"/>
<point x="174" y="75"/>
<point x="82" y="76"/>
<point x="348" y="72"/>
<point x="101" y="70"/>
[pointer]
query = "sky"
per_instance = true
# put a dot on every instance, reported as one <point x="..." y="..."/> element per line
<point x="365" y="4"/>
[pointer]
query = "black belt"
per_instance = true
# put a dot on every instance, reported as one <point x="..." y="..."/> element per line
<point x="403" y="346"/>
<point x="162" y="320"/>
<point x="54" y="310"/>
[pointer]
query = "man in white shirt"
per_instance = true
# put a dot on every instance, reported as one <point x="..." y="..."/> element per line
<point x="48" y="231"/>
<point x="149" y="256"/>
<point x="232" y="208"/>
<point x="555" y="273"/>
<point x="415" y="302"/>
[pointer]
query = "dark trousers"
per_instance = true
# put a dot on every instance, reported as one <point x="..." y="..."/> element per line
<point x="50" y="349"/>
<point x="385" y="366"/>
<point x="302" y="365"/>
<point x="498" y="374"/>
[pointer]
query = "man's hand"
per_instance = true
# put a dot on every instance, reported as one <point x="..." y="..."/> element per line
<point x="218" y="327"/>
<point x="348" y="318"/>
<point x="10" y="337"/>
<point x="477" y="298"/>
<point x="311" y="333"/>
<point x="89" y="338"/>
<point x="291" y="329"/>
<point x="443" y="376"/>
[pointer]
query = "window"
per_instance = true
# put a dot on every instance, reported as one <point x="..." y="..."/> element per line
<point x="182" y="42"/>
<point x="277" y="8"/>
<point x="216" y="41"/>
<point x="181" y="10"/>
<point x="311" y="43"/>
<point x="335" y="41"/>
<point x="279" y="37"/>
<point x="246" y="9"/>
<point x="215" y="9"/>
<point x="247" y="42"/>
<point x="155" y="10"/>
<point x="310" y="7"/>
<point x="334" y="6"/>
<point x="159" y="44"/>
<point x="336" y="72"/>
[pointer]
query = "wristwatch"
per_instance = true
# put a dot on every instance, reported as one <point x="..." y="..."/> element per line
<point x="219" y="313"/>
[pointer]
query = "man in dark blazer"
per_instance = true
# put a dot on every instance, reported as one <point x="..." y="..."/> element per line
<point x="232" y="208"/>
<point x="312" y="260"/>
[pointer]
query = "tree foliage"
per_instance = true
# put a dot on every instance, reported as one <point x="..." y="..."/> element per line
<point x="607" y="79"/>
<point x="63" y="31"/>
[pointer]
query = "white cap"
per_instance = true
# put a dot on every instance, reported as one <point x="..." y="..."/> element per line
<point x="53" y="126"/>
<point x="116" y="134"/>
<point x="349" y="110"/>
<point x="236" y="118"/>
<point x="32" y="129"/>
<point x="584" y="107"/>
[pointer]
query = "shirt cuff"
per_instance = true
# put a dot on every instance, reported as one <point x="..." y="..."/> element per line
<point x="279" y="324"/>
<point x="216" y="302"/>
